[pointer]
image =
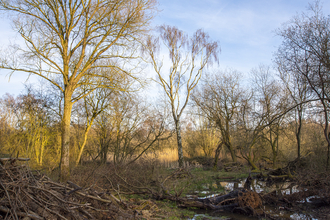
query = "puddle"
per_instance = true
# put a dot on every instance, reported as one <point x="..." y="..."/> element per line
<point x="281" y="188"/>
<point x="296" y="216"/>
<point x="287" y="215"/>
<point x="221" y="216"/>
<point x="203" y="216"/>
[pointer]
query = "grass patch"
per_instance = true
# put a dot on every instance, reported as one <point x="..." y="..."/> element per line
<point x="169" y="210"/>
<point x="147" y="176"/>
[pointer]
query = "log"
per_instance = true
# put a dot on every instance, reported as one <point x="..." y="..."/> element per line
<point x="220" y="203"/>
<point x="12" y="160"/>
<point x="219" y="199"/>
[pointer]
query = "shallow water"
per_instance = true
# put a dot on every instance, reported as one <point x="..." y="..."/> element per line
<point x="205" y="214"/>
<point x="281" y="188"/>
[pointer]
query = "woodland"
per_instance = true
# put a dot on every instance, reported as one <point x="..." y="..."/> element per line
<point x="88" y="143"/>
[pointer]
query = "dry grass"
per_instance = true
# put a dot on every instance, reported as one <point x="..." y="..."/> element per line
<point x="167" y="157"/>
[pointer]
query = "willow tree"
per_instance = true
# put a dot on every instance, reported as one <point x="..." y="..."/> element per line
<point x="65" y="40"/>
<point x="188" y="56"/>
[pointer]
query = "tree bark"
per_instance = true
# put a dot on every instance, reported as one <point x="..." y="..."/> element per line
<point x="298" y="133"/>
<point x="84" y="142"/>
<point x="274" y="157"/>
<point x="179" y="140"/>
<point x="232" y="152"/>
<point x="217" y="154"/>
<point x="65" y="150"/>
<point x="252" y="164"/>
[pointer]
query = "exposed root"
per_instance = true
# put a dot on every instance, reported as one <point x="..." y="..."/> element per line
<point x="249" y="198"/>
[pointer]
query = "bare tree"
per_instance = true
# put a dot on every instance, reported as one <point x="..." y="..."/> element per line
<point x="188" y="58"/>
<point x="66" y="40"/>
<point x="220" y="101"/>
<point x="32" y="124"/>
<point x="93" y="105"/>
<point x="99" y="100"/>
<point x="251" y="125"/>
<point x="305" y="50"/>
<point x="272" y="104"/>
<point x="129" y="128"/>
<point x="298" y="93"/>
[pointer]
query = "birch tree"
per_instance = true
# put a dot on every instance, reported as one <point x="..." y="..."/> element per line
<point x="188" y="57"/>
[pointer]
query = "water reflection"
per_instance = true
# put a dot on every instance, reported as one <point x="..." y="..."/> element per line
<point x="281" y="188"/>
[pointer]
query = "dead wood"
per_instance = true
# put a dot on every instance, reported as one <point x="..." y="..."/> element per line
<point x="287" y="171"/>
<point x="28" y="194"/>
<point x="240" y="199"/>
<point x="3" y="161"/>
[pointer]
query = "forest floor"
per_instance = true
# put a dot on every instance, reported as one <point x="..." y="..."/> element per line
<point x="146" y="190"/>
<point x="302" y="194"/>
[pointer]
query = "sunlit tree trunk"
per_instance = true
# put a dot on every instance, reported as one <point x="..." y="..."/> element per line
<point x="42" y="149"/>
<point x="82" y="147"/>
<point x="179" y="141"/>
<point x="65" y="150"/>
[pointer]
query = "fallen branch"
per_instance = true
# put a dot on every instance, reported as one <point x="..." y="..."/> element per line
<point x="30" y="195"/>
<point x="22" y="214"/>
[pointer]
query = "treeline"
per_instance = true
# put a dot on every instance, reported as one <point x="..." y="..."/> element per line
<point x="120" y="126"/>
<point x="226" y="120"/>
<point x="93" y="57"/>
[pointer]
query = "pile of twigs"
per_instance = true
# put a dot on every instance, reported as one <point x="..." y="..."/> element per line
<point x="27" y="194"/>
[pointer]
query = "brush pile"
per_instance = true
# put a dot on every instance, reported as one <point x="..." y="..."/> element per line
<point x="27" y="194"/>
<point x="239" y="201"/>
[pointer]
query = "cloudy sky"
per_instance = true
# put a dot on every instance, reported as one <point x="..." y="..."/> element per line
<point x="244" y="28"/>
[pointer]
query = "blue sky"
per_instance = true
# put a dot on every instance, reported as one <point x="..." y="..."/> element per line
<point x="244" y="28"/>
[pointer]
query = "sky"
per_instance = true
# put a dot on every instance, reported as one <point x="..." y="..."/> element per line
<point x="245" y="30"/>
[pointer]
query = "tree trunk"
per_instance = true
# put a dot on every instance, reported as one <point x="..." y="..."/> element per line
<point x="84" y="143"/>
<point x="104" y="153"/>
<point x="179" y="140"/>
<point x="274" y="156"/>
<point x="252" y="164"/>
<point x="326" y="131"/>
<point x="42" y="150"/>
<point x="65" y="150"/>
<point x="299" y="144"/>
<point x="232" y="152"/>
<point x="298" y="133"/>
<point x="216" y="157"/>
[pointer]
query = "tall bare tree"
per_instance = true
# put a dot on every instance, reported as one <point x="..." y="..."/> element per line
<point x="188" y="58"/>
<point x="305" y="50"/>
<point x="272" y="104"/>
<point x="66" y="40"/>
<point x="220" y="100"/>
<point x="298" y="93"/>
<point x="251" y="125"/>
